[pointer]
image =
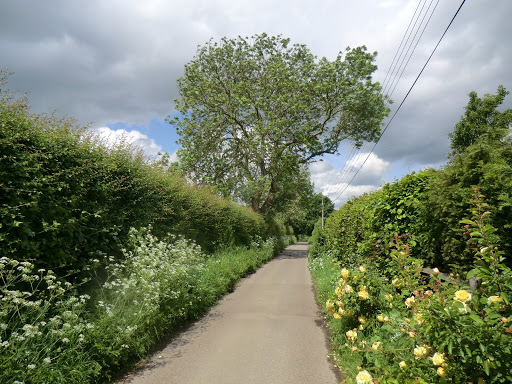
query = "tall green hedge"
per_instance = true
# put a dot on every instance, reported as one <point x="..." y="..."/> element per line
<point x="64" y="196"/>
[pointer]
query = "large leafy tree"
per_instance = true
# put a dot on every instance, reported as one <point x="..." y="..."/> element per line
<point x="253" y="110"/>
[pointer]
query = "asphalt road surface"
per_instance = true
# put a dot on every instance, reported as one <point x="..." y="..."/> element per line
<point x="268" y="331"/>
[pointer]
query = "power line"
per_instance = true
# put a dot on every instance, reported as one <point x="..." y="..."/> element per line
<point x="398" y="50"/>
<point x="403" y="49"/>
<point x="403" y="100"/>
<point x="414" y="49"/>
<point x="356" y="153"/>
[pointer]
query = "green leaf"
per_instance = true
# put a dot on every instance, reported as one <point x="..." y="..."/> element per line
<point x="487" y="365"/>
<point x="477" y="319"/>
<point x="471" y="273"/>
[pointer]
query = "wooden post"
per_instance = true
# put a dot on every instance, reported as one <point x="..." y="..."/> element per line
<point x="322" y="211"/>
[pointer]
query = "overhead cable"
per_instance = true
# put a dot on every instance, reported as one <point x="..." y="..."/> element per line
<point x="405" y="97"/>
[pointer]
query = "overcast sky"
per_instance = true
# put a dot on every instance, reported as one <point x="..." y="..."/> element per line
<point x="114" y="64"/>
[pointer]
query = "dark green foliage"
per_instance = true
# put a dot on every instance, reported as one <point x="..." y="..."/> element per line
<point x="64" y="196"/>
<point x="486" y="164"/>
<point x="481" y="120"/>
<point x="427" y="207"/>
<point x="312" y="211"/>
<point x="481" y="157"/>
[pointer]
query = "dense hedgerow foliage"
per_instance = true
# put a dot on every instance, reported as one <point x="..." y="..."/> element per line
<point x="385" y="317"/>
<point x="103" y="252"/>
<point x="65" y="196"/>
<point x="427" y="206"/>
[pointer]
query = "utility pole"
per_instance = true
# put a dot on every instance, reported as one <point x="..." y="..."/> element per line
<point x="322" y="211"/>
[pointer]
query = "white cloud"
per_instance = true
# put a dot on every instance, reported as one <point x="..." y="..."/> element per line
<point x="173" y="157"/>
<point x="340" y="185"/>
<point x="135" y="138"/>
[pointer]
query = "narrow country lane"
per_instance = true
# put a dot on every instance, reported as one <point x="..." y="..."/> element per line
<point x="268" y="331"/>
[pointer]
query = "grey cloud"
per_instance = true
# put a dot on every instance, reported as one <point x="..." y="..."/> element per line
<point x="119" y="60"/>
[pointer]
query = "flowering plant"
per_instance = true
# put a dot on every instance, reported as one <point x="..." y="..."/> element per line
<point x="431" y="330"/>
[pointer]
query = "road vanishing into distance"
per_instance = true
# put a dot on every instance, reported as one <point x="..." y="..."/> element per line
<point x="268" y="331"/>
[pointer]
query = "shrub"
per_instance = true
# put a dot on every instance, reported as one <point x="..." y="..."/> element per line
<point x="43" y="330"/>
<point x="408" y="330"/>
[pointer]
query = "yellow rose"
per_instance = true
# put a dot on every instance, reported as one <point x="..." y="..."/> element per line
<point x="402" y="364"/>
<point x="352" y="335"/>
<point x="435" y="271"/>
<point x="345" y="273"/>
<point x="362" y="319"/>
<point x="362" y="269"/>
<point x="438" y="358"/>
<point x="441" y="372"/>
<point x="380" y="318"/>
<point x="420" y="352"/>
<point x="363" y="295"/>
<point x="494" y="299"/>
<point x="410" y="301"/>
<point x="329" y="305"/>
<point x="364" y="377"/>
<point x="462" y="296"/>
<point x="376" y="345"/>
<point x="339" y="292"/>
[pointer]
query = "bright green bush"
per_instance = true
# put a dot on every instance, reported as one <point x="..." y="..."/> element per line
<point x="348" y="231"/>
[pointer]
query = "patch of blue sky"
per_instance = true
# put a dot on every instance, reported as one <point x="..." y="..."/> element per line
<point x="163" y="133"/>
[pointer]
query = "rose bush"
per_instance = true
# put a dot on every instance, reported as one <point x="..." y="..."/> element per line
<point x="436" y="330"/>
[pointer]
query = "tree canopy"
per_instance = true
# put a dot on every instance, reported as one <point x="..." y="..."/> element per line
<point x="254" y="110"/>
<point x="481" y="119"/>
